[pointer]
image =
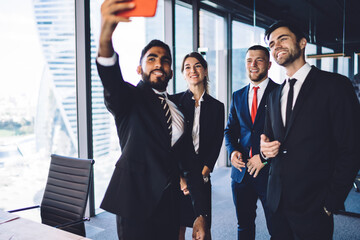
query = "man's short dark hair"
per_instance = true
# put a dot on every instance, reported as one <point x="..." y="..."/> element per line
<point x="155" y="43"/>
<point x="290" y="25"/>
<point x="261" y="48"/>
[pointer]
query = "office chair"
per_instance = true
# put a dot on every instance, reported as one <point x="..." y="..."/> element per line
<point x="66" y="192"/>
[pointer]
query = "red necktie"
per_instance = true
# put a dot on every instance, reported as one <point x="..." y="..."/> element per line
<point x="254" y="110"/>
<point x="254" y="104"/>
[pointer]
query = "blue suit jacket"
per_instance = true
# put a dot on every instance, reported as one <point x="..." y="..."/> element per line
<point x="240" y="133"/>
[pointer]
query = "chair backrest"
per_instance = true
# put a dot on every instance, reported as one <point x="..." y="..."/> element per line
<point x="66" y="192"/>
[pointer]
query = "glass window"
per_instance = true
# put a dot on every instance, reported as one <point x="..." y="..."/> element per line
<point x="183" y="42"/>
<point x="213" y="47"/>
<point x="343" y="66"/>
<point x="244" y="36"/>
<point x="38" y="113"/>
<point x="327" y="64"/>
<point x="310" y="49"/>
<point x="128" y="40"/>
<point x="356" y="63"/>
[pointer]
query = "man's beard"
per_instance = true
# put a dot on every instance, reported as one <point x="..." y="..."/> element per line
<point x="259" y="78"/>
<point x="160" y="84"/>
<point x="293" y="55"/>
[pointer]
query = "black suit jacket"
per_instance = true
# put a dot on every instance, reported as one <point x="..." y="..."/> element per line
<point x="212" y="117"/>
<point x="319" y="153"/>
<point x="148" y="162"/>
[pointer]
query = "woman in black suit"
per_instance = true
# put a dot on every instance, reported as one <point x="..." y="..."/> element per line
<point x="205" y="116"/>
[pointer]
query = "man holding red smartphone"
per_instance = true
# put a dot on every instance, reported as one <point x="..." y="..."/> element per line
<point x="144" y="189"/>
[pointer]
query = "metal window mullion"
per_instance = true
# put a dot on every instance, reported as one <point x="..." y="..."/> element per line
<point x="196" y="24"/>
<point x="83" y="88"/>
<point x="169" y="36"/>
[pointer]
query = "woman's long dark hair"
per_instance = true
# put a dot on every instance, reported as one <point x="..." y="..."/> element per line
<point x="203" y="63"/>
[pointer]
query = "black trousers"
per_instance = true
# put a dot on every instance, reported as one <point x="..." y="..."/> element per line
<point x="311" y="224"/>
<point x="163" y="224"/>
<point x="245" y="197"/>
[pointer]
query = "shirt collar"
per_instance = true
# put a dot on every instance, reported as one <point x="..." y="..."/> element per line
<point x="201" y="98"/>
<point x="262" y="85"/>
<point x="158" y="92"/>
<point x="302" y="73"/>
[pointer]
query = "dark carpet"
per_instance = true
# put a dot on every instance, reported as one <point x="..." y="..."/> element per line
<point x="103" y="226"/>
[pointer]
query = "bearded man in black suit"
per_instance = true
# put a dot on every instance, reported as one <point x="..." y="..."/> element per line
<point x="311" y="140"/>
<point x="144" y="189"/>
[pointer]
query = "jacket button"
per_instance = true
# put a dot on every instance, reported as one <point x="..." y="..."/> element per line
<point x="284" y="151"/>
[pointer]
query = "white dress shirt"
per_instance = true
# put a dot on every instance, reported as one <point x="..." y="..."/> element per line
<point x="107" y="61"/>
<point x="260" y="92"/>
<point x="196" y="124"/>
<point x="177" y="118"/>
<point x="300" y="76"/>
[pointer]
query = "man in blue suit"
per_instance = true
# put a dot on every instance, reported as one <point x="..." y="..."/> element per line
<point x="249" y="171"/>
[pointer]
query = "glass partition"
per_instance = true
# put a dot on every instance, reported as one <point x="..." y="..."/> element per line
<point x="343" y="66"/>
<point x="243" y="37"/>
<point x="327" y="64"/>
<point x="213" y="47"/>
<point x="38" y="113"/>
<point x="183" y="42"/>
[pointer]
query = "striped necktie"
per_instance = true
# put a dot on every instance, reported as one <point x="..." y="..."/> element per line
<point x="167" y="112"/>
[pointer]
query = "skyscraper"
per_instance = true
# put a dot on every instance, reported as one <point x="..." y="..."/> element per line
<point x="55" y="21"/>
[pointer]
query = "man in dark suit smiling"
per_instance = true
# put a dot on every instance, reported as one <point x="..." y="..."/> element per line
<point x="144" y="189"/>
<point x="311" y="141"/>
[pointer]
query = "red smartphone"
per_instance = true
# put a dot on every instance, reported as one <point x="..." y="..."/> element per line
<point x="143" y="8"/>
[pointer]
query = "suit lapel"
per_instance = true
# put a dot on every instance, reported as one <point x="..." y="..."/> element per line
<point x="154" y="107"/>
<point x="245" y="107"/>
<point x="270" y="86"/>
<point x="277" y="113"/>
<point x="205" y="119"/>
<point x="189" y="104"/>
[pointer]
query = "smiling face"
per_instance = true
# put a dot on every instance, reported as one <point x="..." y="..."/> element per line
<point x="194" y="72"/>
<point x="257" y="66"/>
<point x="285" y="48"/>
<point x="155" y="68"/>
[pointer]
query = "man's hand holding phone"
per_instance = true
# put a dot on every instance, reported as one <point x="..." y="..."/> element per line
<point x="115" y="11"/>
<point x="109" y="21"/>
<point x="143" y="8"/>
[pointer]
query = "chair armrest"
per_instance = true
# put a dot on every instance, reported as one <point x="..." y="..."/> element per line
<point x="23" y="209"/>
<point x="65" y="225"/>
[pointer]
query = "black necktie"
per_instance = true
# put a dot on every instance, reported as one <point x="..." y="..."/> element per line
<point x="167" y="112"/>
<point x="289" y="101"/>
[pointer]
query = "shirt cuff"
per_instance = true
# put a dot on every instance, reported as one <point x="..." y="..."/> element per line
<point x="262" y="157"/>
<point x="107" y="61"/>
